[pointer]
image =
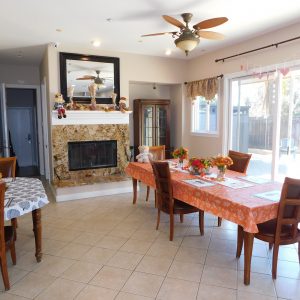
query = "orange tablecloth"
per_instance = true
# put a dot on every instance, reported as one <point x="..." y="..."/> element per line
<point x="237" y="205"/>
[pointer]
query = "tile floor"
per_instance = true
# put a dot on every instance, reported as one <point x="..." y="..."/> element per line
<point x="106" y="248"/>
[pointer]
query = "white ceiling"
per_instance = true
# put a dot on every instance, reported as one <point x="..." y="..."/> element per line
<point x="26" y="26"/>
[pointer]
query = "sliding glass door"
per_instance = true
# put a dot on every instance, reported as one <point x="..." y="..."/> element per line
<point x="289" y="144"/>
<point x="265" y="121"/>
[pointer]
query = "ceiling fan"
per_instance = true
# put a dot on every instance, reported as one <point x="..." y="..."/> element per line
<point x="97" y="79"/>
<point x="188" y="38"/>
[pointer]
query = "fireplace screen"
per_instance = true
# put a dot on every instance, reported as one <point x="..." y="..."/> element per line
<point x="92" y="155"/>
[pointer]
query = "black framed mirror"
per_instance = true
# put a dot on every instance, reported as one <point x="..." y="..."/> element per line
<point x="79" y="71"/>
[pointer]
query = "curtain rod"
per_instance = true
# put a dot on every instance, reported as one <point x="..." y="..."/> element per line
<point x="257" y="49"/>
<point x="219" y="76"/>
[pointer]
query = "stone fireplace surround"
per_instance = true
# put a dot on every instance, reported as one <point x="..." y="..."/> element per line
<point x="89" y="126"/>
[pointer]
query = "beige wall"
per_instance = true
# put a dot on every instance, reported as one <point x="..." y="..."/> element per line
<point x="205" y="66"/>
<point x="19" y="74"/>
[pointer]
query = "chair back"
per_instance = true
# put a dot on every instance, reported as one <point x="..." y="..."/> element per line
<point x="164" y="191"/>
<point x="2" y="238"/>
<point x="240" y="161"/>
<point x="158" y="152"/>
<point x="8" y="166"/>
<point x="289" y="209"/>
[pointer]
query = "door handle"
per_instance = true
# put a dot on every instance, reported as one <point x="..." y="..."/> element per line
<point x="29" y="138"/>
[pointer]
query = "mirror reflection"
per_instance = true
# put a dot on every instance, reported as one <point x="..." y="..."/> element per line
<point x="81" y="74"/>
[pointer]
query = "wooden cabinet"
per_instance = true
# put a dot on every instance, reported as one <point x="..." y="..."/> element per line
<point x="151" y="123"/>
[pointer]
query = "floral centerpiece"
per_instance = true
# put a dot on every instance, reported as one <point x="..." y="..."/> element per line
<point x="180" y="153"/>
<point x="222" y="162"/>
<point x="207" y="163"/>
<point x="196" y="165"/>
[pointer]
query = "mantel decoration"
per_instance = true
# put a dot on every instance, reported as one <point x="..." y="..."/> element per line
<point x="222" y="163"/>
<point x="180" y="153"/>
<point x="59" y="106"/>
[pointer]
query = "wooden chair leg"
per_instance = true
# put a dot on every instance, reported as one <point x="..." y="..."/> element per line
<point x="171" y="227"/>
<point x="270" y="246"/>
<point x="181" y="218"/>
<point x="148" y="192"/>
<point x="158" y="219"/>
<point x="13" y="253"/>
<point x="219" y="222"/>
<point x="274" y="260"/>
<point x="240" y="240"/>
<point x="4" y="272"/>
<point x="155" y="198"/>
<point x="201" y="222"/>
<point x="14" y="223"/>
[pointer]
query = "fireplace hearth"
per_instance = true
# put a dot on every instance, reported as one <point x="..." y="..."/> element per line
<point x="84" y="155"/>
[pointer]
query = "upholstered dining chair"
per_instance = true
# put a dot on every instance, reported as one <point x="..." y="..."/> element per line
<point x="284" y="229"/>
<point x="8" y="169"/>
<point x="165" y="200"/>
<point x="7" y="241"/>
<point x="240" y="164"/>
<point x="159" y="153"/>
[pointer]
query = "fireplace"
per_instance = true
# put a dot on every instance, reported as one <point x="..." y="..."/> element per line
<point x="92" y="154"/>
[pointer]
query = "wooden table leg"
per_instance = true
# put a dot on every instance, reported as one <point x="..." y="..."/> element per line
<point x="248" y="247"/>
<point x="37" y="229"/>
<point x="134" y="184"/>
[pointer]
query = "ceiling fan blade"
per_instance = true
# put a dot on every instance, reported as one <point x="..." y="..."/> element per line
<point x="159" y="33"/>
<point x="86" y="77"/>
<point x="173" y="21"/>
<point x="210" y="23"/>
<point x="211" y="35"/>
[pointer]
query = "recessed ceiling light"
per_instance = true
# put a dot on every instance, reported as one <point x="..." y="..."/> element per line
<point x="58" y="29"/>
<point x="168" y="52"/>
<point x="140" y="41"/>
<point x="109" y="19"/>
<point x="96" y="43"/>
<point x="20" y="54"/>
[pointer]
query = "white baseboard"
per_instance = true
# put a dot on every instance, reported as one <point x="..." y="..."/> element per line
<point x="93" y="190"/>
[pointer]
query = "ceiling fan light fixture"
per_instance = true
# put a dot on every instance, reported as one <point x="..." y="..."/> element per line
<point x="187" y="41"/>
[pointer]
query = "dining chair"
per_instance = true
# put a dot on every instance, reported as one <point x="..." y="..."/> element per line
<point x="8" y="169"/>
<point x="240" y="164"/>
<point x="284" y="229"/>
<point x="165" y="200"/>
<point x="159" y="153"/>
<point x="7" y="241"/>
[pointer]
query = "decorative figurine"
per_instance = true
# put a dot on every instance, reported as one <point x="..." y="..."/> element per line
<point x="59" y="106"/>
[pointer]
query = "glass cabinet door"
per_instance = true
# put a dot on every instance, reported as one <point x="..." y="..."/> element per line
<point x="161" y="125"/>
<point x="148" y="125"/>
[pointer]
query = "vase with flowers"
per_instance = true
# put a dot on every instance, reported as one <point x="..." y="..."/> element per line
<point x="222" y="163"/>
<point x="180" y="153"/>
<point x="207" y="164"/>
<point x="196" y="166"/>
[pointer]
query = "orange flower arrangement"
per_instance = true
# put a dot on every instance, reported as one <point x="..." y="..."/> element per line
<point x="181" y="153"/>
<point x="222" y="162"/>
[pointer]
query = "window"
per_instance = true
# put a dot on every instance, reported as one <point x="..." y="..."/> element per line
<point x="205" y="116"/>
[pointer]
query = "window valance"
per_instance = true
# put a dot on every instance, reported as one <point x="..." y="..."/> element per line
<point x="206" y="88"/>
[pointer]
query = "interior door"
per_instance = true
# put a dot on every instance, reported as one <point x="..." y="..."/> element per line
<point x="4" y="141"/>
<point x="20" y="124"/>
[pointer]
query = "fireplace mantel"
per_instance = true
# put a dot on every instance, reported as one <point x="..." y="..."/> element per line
<point x="76" y="117"/>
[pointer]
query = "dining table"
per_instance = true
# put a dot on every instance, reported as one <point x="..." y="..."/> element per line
<point x="26" y="195"/>
<point x="239" y="198"/>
